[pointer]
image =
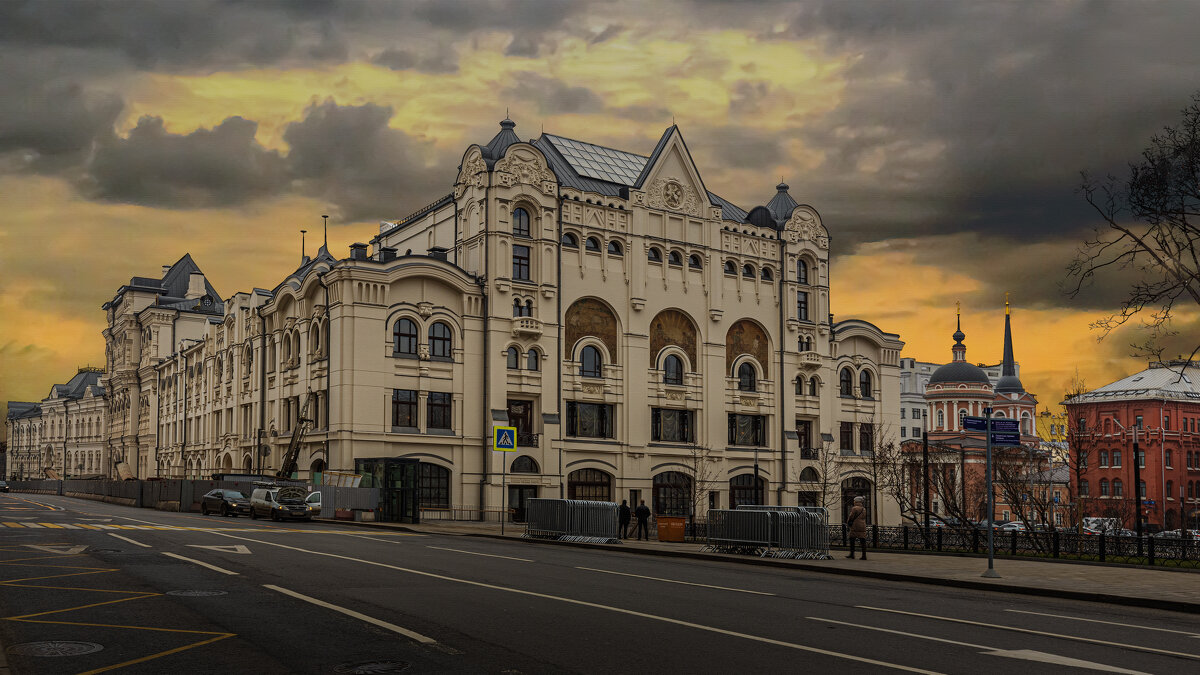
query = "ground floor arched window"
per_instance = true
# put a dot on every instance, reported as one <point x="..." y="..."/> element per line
<point x="433" y="486"/>
<point x="856" y="487"/>
<point x="591" y="484"/>
<point x="746" y="489"/>
<point x="672" y="494"/>
<point x="316" y="470"/>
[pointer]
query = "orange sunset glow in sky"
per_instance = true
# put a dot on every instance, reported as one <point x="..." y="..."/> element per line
<point x="941" y="142"/>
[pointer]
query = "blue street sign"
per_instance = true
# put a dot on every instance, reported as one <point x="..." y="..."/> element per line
<point x="1006" y="425"/>
<point x="975" y="424"/>
<point x="1005" y="439"/>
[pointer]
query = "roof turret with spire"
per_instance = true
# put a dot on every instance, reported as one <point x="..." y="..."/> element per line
<point x="1009" y="382"/>
<point x="958" y="370"/>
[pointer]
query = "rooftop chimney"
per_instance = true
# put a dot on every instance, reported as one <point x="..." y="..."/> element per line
<point x="387" y="254"/>
<point x="166" y="268"/>
<point x="438" y="252"/>
<point x="195" y="286"/>
<point x="358" y="251"/>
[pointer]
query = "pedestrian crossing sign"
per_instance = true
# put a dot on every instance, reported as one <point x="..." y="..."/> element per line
<point x="504" y="439"/>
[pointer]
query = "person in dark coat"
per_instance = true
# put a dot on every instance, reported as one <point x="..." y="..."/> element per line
<point x="856" y="521"/>
<point x="623" y="518"/>
<point x="643" y="517"/>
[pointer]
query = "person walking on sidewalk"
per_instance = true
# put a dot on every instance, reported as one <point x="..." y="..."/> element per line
<point x="857" y="522"/>
<point x="623" y="518"/>
<point x="643" y="517"/>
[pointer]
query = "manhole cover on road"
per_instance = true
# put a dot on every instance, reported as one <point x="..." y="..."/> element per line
<point x="370" y="667"/>
<point x="196" y="594"/>
<point x="54" y="648"/>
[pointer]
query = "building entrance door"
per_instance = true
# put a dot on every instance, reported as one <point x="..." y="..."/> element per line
<point x="518" y="500"/>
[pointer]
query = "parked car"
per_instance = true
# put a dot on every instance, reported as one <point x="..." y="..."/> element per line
<point x="3" y="486"/>
<point x="1122" y="533"/>
<point x="314" y="504"/>
<point x="280" y="503"/>
<point x="225" y="502"/>
<point x="1012" y="526"/>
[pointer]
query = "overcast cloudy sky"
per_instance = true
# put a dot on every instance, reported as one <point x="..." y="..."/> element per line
<point x="941" y="141"/>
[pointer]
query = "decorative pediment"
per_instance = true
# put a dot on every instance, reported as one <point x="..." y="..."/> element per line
<point x="525" y="165"/>
<point x="672" y="195"/>
<point x="805" y="226"/>
<point x="670" y="180"/>
<point x="473" y="169"/>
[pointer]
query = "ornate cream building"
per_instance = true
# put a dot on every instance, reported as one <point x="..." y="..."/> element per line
<point x="63" y="434"/>
<point x="532" y="295"/>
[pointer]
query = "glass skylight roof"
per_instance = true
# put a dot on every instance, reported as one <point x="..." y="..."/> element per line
<point x="599" y="162"/>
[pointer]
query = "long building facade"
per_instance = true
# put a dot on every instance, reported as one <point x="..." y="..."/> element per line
<point x="61" y="436"/>
<point x="532" y="295"/>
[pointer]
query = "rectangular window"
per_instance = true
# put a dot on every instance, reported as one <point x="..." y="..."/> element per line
<point x="847" y="437"/>
<point x="866" y="438"/>
<point x="916" y="432"/>
<point x="521" y="262"/>
<point x="1167" y="460"/>
<point x="1137" y="421"/>
<point x="589" y="420"/>
<point x="747" y="430"/>
<point x="672" y="426"/>
<point x="903" y="432"/>
<point x="404" y="408"/>
<point x="1166" y="424"/>
<point x="804" y="434"/>
<point x="438" y="409"/>
<point x="802" y="306"/>
<point x="1141" y="459"/>
<point x="902" y="413"/>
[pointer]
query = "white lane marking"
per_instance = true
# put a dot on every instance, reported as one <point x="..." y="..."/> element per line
<point x="488" y="555"/>
<point x="1023" y="654"/>
<point x="232" y="548"/>
<point x="594" y="605"/>
<point x="33" y="525"/>
<point x="674" y="581"/>
<point x="135" y="543"/>
<point x="69" y="526"/>
<point x="1110" y="623"/>
<point x="357" y="615"/>
<point x="1058" y="636"/>
<point x="201" y="563"/>
<point x="359" y="536"/>
<point x="61" y="550"/>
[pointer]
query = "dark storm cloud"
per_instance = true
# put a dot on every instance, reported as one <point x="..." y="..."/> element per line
<point x="551" y="95"/>
<point x="998" y="105"/>
<point x="442" y="60"/>
<point x="216" y="167"/>
<point x="349" y="156"/>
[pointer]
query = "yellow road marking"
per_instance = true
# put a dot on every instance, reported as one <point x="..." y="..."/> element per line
<point x="51" y="525"/>
<point x="11" y="524"/>
<point x="158" y="655"/>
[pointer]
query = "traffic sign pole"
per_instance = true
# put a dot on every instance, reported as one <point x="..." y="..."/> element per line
<point x="991" y="520"/>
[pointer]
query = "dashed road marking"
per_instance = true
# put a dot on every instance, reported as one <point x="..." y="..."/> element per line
<point x="1110" y="623"/>
<point x="201" y="563"/>
<point x="423" y="639"/>
<point x="488" y="555"/>
<point x="127" y="539"/>
<point x="674" y="581"/>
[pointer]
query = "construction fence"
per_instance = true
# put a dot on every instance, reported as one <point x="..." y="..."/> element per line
<point x="572" y="520"/>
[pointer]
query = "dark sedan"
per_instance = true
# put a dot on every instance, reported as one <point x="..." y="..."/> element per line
<point x="3" y="486"/>
<point x="225" y="502"/>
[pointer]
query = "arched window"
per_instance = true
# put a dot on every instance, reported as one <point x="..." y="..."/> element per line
<point x="589" y="484"/>
<point x="440" y="344"/>
<point x="592" y="244"/>
<point x="404" y="337"/>
<point x="517" y="307"/>
<point x="864" y="384"/>
<point x="248" y="360"/>
<point x="314" y="339"/>
<point x="746" y="489"/>
<point x="654" y="255"/>
<point x="799" y="385"/>
<point x="730" y="268"/>
<point x="1103" y="487"/>
<point x="525" y="464"/>
<point x="941" y="419"/>
<point x="1118" y="488"/>
<point x="529" y="308"/>
<point x="695" y="263"/>
<point x="846" y="382"/>
<point x="809" y="475"/>
<point x="569" y="240"/>
<point x="1170" y="488"/>
<point x="1103" y="458"/>
<point x="514" y="358"/>
<point x="747" y="377"/>
<point x="531" y="360"/>
<point x="614" y="248"/>
<point x="675" y="258"/>
<point x="748" y="271"/>
<point x="812" y="386"/>
<point x="1083" y="488"/>
<point x="520" y="222"/>
<point x="672" y="494"/>
<point x="1116" y="459"/>
<point x="767" y="274"/>
<point x="591" y="363"/>
<point x="802" y="272"/>
<point x="672" y="370"/>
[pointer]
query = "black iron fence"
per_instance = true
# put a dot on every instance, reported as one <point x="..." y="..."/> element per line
<point x="1062" y="544"/>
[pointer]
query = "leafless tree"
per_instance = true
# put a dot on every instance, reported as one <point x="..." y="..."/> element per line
<point x="1148" y="229"/>
<point x="825" y="485"/>
<point x="1083" y="425"/>
<point x="705" y="469"/>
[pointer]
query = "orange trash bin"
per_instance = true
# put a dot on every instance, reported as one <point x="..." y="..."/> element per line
<point x="670" y="528"/>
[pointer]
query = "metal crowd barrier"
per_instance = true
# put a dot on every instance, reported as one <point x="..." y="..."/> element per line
<point x="572" y="520"/>
<point x="774" y="531"/>
<point x="739" y="531"/>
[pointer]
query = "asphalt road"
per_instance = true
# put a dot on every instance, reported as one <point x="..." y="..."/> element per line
<point x="170" y="592"/>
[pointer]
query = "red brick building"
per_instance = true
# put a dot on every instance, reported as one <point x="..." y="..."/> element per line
<point x="1160" y="406"/>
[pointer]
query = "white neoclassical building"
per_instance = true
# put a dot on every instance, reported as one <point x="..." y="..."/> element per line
<point x="63" y="434"/>
<point x="532" y="295"/>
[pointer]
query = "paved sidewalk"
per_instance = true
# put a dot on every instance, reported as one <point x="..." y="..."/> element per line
<point x="1170" y="589"/>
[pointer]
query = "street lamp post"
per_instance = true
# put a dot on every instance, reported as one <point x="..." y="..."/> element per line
<point x="925" y="468"/>
<point x="1137" y="486"/>
<point x="991" y="500"/>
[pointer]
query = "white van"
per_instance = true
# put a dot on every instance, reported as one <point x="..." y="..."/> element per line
<point x="281" y="502"/>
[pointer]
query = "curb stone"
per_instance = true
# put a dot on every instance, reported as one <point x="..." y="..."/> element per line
<point x="1128" y="601"/>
